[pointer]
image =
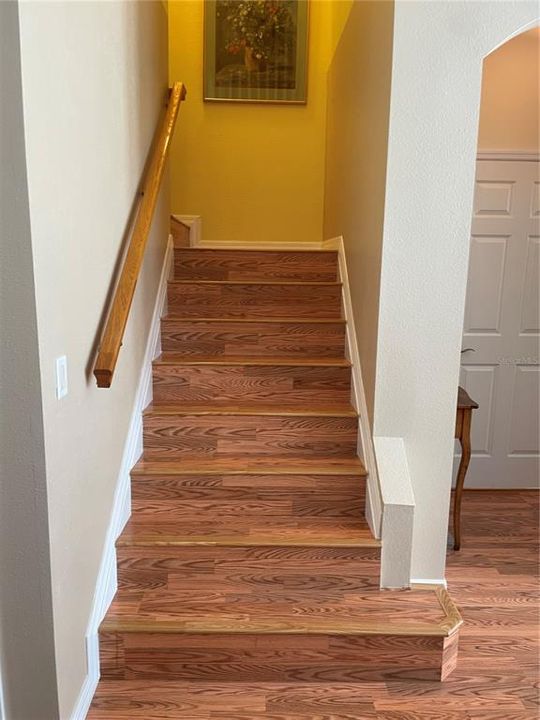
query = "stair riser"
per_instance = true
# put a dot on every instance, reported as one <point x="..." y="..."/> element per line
<point x="273" y="658"/>
<point x="251" y="569"/>
<point x="307" y="493"/>
<point x="171" y="436"/>
<point x="295" y="340"/>
<point x="268" y="384"/>
<point x="259" y="300"/>
<point x="327" y="506"/>
<point x="250" y="265"/>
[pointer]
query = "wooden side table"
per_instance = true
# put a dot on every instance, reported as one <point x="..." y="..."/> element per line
<point x="465" y="406"/>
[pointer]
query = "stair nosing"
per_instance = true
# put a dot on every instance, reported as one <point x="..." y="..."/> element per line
<point x="196" y="281"/>
<point x="174" y="358"/>
<point x="295" y="468"/>
<point x="247" y="411"/>
<point x="259" y="250"/>
<point x="444" y="628"/>
<point x="252" y="319"/>
<point x="325" y="541"/>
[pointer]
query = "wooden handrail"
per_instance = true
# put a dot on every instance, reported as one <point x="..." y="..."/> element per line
<point x="118" y="312"/>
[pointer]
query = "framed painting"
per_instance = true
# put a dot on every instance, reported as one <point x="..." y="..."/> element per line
<point x="256" y="50"/>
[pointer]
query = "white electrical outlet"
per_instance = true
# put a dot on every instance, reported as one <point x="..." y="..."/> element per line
<point x="61" y="377"/>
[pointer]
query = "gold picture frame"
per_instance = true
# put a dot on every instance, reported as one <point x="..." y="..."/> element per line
<point x="256" y="51"/>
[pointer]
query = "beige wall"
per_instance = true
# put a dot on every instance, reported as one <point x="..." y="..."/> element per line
<point x="94" y="81"/>
<point x="357" y="134"/>
<point x="509" y="111"/>
<point x="27" y="664"/>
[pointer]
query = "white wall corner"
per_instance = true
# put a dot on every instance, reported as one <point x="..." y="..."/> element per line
<point x="106" y="584"/>
<point x="374" y="506"/>
<point x="398" y="512"/>
<point x="194" y="223"/>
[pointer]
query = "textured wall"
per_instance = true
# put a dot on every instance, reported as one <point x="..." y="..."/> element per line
<point x="27" y="664"/>
<point x="94" y="84"/>
<point x="357" y="137"/>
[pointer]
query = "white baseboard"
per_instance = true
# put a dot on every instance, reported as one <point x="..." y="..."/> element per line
<point x="509" y="155"/>
<point x="374" y="506"/>
<point x="194" y="223"/>
<point x="106" y="583"/>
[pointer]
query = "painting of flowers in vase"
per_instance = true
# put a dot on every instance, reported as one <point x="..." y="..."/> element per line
<point x="256" y="50"/>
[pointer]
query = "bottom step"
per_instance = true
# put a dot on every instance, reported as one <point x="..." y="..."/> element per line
<point x="409" y="635"/>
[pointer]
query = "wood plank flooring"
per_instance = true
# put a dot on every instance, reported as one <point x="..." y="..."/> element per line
<point x="494" y="580"/>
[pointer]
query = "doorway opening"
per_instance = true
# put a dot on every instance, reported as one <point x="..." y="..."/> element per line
<point x="501" y="337"/>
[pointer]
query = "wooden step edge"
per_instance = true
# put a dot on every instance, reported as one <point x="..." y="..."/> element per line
<point x="256" y="249"/>
<point x="172" y="358"/>
<point x="317" y="283"/>
<point x="143" y="467"/>
<point x="265" y="320"/>
<point x="274" y="626"/>
<point x="364" y="540"/>
<point x="252" y="411"/>
<point x="453" y="620"/>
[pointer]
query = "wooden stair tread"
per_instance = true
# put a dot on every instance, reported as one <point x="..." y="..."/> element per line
<point x="368" y="612"/>
<point x="172" y="358"/>
<point x="278" y="532"/>
<point x="213" y="408"/>
<point x="259" y="250"/>
<point x="253" y="466"/>
<point x="257" y="320"/>
<point x="196" y="281"/>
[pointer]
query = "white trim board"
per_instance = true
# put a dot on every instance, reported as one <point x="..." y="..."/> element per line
<point x="106" y="583"/>
<point x="520" y="155"/>
<point x="194" y="223"/>
<point x="374" y="506"/>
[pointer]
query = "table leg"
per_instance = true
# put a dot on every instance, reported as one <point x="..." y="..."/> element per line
<point x="465" y="442"/>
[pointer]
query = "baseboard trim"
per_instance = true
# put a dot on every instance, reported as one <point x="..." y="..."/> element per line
<point x="106" y="583"/>
<point x="512" y="155"/>
<point x="374" y="505"/>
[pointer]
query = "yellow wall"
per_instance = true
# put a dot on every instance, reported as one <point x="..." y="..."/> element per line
<point x="510" y="95"/>
<point x="254" y="172"/>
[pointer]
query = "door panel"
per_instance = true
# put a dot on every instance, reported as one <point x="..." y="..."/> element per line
<point x="530" y="307"/>
<point x="484" y="296"/>
<point x="502" y="325"/>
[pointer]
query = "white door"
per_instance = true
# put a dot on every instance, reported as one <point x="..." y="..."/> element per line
<point x="501" y="335"/>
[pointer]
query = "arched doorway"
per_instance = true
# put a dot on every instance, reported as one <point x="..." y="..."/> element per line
<point x="500" y="352"/>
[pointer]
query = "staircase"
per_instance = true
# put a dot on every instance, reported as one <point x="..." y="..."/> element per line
<point x="247" y="558"/>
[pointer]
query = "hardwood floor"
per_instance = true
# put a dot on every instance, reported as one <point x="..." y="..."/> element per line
<point x="494" y="580"/>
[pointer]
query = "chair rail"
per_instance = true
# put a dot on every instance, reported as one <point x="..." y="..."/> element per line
<point x="119" y="307"/>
